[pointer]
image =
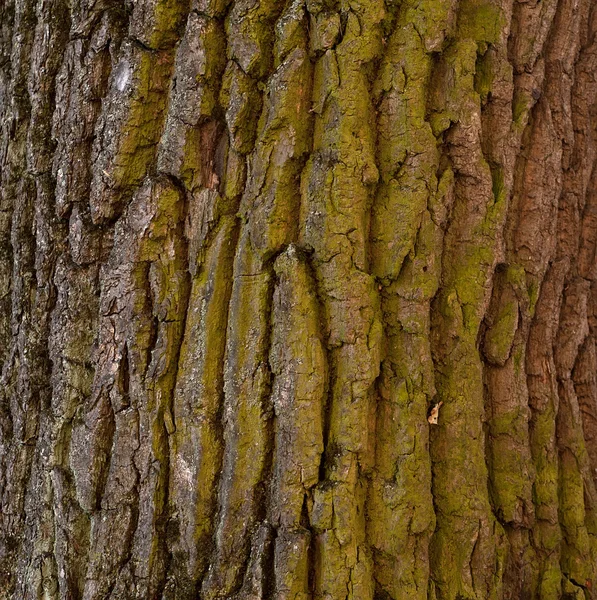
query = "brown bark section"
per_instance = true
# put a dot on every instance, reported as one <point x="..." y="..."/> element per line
<point x="246" y="248"/>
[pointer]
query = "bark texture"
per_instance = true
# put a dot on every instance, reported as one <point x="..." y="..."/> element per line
<point x="298" y="299"/>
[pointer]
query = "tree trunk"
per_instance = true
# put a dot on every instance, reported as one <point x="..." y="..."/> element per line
<point x="298" y="301"/>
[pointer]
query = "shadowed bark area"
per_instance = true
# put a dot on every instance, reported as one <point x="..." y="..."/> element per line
<point x="298" y="300"/>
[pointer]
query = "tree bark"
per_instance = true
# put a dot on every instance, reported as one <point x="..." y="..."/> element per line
<point x="298" y="300"/>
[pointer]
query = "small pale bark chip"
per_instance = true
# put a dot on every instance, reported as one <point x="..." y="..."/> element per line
<point x="434" y="414"/>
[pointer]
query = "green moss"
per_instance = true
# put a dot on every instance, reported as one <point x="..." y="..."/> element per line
<point x="484" y="76"/>
<point x="550" y="586"/>
<point x="142" y="122"/>
<point x="404" y="193"/>
<point x="246" y="389"/>
<point x="325" y="28"/>
<point x="271" y="199"/>
<point x="452" y="90"/>
<point x="572" y="591"/>
<point x="198" y="396"/>
<point x="521" y="104"/>
<point x="167" y="20"/>
<point x="500" y="335"/>
<point x="239" y="93"/>
<point x="516" y="276"/>
<point x="404" y="248"/>
<point x="511" y="490"/>
<point x="470" y="246"/>
<point x="291" y="31"/>
<point x="546" y="531"/>
<point x="250" y="30"/>
<point x="480" y="20"/>
<point x="431" y="19"/>
<point x="337" y="185"/>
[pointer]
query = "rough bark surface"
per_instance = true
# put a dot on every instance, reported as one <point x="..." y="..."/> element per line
<point x="298" y="299"/>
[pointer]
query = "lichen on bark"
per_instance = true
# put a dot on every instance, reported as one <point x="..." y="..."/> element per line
<point x="297" y="299"/>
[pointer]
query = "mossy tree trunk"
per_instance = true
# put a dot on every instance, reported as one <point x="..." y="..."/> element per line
<point x="247" y="248"/>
